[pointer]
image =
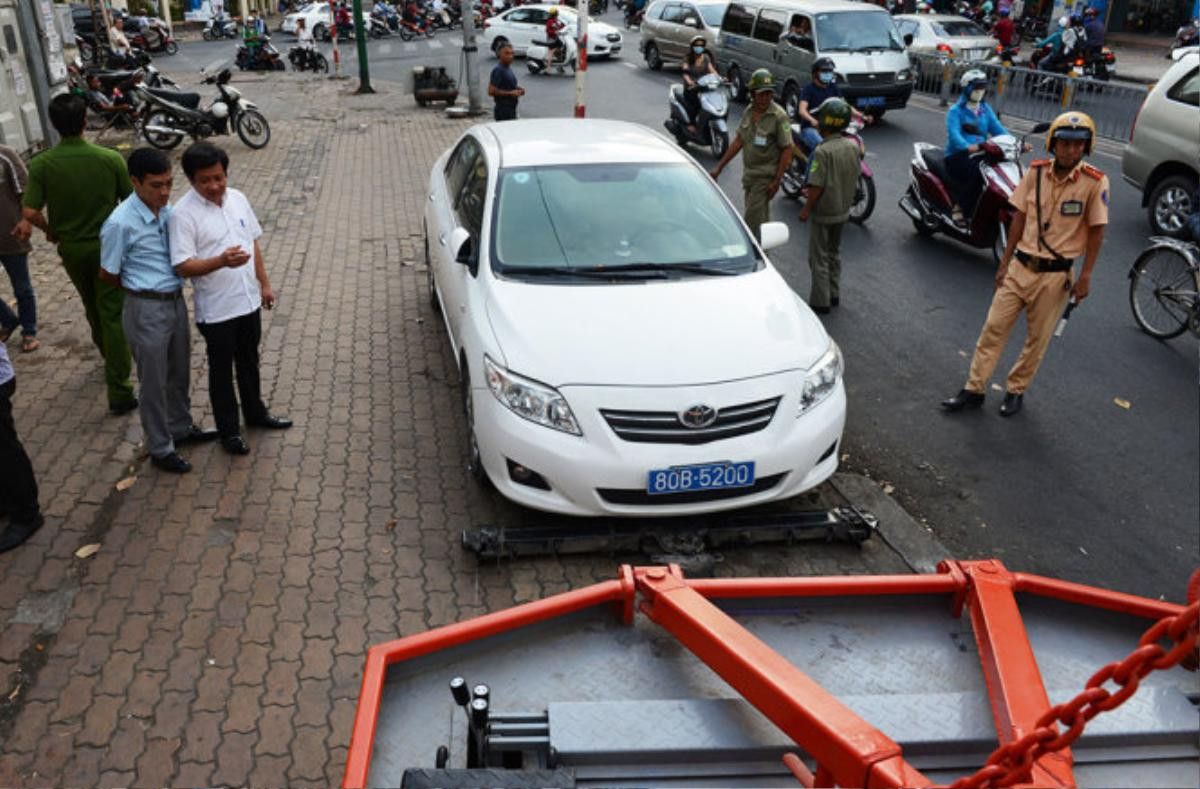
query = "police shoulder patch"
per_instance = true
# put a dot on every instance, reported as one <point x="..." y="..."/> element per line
<point x="1092" y="172"/>
<point x="1040" y="162"/>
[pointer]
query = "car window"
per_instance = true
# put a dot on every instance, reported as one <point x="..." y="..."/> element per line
<point x="856" y="31"/>
<point x="538" y="16"/>
<point x="1187" y="90"/>
<point x="468" y="207"/>
<point x="907" y="27"/>
<point x="956" y="29"/>
<point x="673" y="14"/>
<point x="520" y="15"/>
<point x="712" y="14"/>
<point x="770" y="26"/>
<point x="739" y="20"/>
<point x="459" y="164"/>
<point x="655" y="11"/>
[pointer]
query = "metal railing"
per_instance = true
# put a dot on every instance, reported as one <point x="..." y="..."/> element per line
<point x="1036" y="95"/>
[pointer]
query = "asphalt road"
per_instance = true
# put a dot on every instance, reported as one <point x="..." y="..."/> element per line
<point x="1077" y="485"/>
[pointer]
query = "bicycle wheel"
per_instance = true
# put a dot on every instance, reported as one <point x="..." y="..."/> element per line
<point x="1162" y="290"/>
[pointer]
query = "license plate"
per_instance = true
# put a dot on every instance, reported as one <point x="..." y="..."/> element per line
<point x="871" y="101"/>
<point x="704" y="476"/>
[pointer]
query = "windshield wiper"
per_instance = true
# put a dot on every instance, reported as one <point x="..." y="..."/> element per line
<point x="686" y="268"/>
<point x="873" y="49"/>
<point x="591" y="272"/>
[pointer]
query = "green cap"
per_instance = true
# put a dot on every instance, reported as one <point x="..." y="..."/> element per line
<point x="761" y="80"/>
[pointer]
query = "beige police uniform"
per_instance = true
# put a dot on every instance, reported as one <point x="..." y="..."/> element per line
<point x="1070" y="206"/>
<point x="763" y="141"/>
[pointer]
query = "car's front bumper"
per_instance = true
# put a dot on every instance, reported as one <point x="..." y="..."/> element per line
<point x="601" y="474"/>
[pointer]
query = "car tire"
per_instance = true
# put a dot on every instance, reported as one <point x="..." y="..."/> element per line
<point x="474" y="462"/>
<point x="430" y="285"/>
<point x="319" y="32"/>
<point x="653" y="59"/>
<point x="171" y="48"/>
<point x="1169" y="205"/>
<point x="736" y="85"/>
<point x="497" y="43"/>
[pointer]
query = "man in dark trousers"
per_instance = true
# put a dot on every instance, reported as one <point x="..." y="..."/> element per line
<point x="213" y="222"/>
<point x="503" y="86"/>
<point x="18" y="488"/>
<point x="80" y="184"/>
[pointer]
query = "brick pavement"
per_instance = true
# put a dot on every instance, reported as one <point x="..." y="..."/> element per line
<point x="217" y="636"/>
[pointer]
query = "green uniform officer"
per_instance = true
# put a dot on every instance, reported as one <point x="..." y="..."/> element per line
<point x="765" y="139"/>
<point x="80" y="184"/>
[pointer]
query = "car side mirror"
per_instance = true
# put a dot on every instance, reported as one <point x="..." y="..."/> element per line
<point x="773" y="234"/>
<point x="908" y="39"/>
<point x="691" y="21"/>
<point x="460" y="246"/>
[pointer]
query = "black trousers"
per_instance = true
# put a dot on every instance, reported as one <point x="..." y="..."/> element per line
<point x="231" y="346"/>
<point x="18" y="488"/>
<point x="505" y="113"/>
<point x="966" y="183"/>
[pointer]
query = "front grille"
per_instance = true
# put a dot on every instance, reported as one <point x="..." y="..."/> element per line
<point x="664" y="427"/>
<point x="613" y="36"/>
<point x="631" y="496"/>
<point x="873" y="78"/>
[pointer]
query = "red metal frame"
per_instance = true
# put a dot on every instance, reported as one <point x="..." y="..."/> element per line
<point x="848" y="750"/>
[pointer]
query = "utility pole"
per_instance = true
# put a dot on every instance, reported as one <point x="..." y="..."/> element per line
<point x="470" y="53"/>
<point x="337" y="57"/>
<point x="582" y="48"/>
<point x="360" y="40"/>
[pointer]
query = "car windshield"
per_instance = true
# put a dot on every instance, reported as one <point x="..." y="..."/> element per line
<point x="857" y="31"/>
<point x="712" y="14"/>
<point x="605" y="217"/>
<point x="958" y="29"/>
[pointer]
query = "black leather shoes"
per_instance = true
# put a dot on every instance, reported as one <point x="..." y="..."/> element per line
<point x="197" y="435"/>
<point x="271" y="422"/>
<point x="1011" y="404"/>
<point x="172" y="463"/>
<point x="235" y="445"/>
<point x="964" y="399"/>
<point x="17" y="533"/>
<point x="119" y="409"/>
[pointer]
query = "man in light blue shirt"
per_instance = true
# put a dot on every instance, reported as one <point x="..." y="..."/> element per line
<point x="135" y="254"/>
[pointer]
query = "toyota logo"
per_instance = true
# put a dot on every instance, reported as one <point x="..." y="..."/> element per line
<point x="698" y="416"/>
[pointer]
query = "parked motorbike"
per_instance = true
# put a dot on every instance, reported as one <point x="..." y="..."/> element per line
<point x="215" y="29"/>
<point x="305" y="59"/>
<point x="264" y="58"/>
<point x="155" y="38"/>
<point x="792" y="184"/>
<point x="538" y="56"/>
<point x="136" y="59"/>
<point x="928" y="203"/>
<point x="173" y="115"/>
<point x="711" y="126"/>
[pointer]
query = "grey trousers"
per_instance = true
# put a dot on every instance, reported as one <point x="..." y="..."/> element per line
<point x="160" y="338"/>
<point x="825" y="260"/>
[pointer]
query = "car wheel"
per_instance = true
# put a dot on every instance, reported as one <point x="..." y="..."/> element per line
<point x="499" y="42"/>
<point x="429" y="283"/>
<point x="653" y="59"/>
<point x="736" y="86"/>
<point x="319" y="32"/>
<point x="1169" y="205"/>
<point x="474" y="461"/>
<point x="791" y="100"/>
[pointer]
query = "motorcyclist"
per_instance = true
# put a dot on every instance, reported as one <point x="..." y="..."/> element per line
<point x="1004" y="28"/>
<point x="1055" y="41"/>
<point x="252" y="36"/>
<point x="823" y="86"/>
<point x="696" y="64"/>
<point x="304" y="37"/>
<point x="345" y="24"/>
<point x="969" y="123"/>
<point x="1094" y="28"/>
<point x="558" y="47"/>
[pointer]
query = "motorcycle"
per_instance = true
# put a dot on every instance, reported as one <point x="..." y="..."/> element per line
<point x="264" y="58"/>
<point x="377" y="26"/>
<point x="1186" y="37"/>
<point x="1005" y="56"/>
<point x="172" y="115"/>
<point x="115" y="60"/>
<point x="155" y="38"/>
<point x="633" y="16"/>
<point x="928" y="203"/>
<point x="711" y="126"/>
<point x="1097" y="64"/>
<point x="540" y="58"/>
<point x="305" y="59"/>
<point x="792" y="184"/>
<point x="216" y="29"/>
<point x="410" y="30"/>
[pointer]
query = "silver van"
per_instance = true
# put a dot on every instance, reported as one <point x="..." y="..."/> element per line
<point x="669" y="26"/>
<point x="873" y="69"/>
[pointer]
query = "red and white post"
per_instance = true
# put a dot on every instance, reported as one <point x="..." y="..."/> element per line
<point x="333" y="31"/>
<point x="581" y="46"/>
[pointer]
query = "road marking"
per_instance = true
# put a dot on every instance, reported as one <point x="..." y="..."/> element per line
<point x="410" y="47"/>
<point x="627" y="64"/>
<point x="385" y="49"/>
<point x="435" y="44"/>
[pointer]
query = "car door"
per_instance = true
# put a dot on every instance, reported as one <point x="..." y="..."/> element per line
<point x="534" y="27"/>
<point x="441" y="220"/>
<point x="673" y="32"/>
<point x="768" y="28"/>
<point x="468" y="214"/>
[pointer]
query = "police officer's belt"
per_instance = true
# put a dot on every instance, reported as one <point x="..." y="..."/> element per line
<point x="1042" y="265"/>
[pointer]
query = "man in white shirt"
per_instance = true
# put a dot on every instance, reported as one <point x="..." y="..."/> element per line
<point x="210" y="225"/>
<point x="117" y="40"/>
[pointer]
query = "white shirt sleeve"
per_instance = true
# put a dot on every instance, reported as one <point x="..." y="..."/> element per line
<point x="182" y="232"/>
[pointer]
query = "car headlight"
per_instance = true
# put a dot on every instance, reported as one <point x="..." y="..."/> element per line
<point x="822" y="378"/>
<point x="904" y="75"/>
<point x="529" y="399"/>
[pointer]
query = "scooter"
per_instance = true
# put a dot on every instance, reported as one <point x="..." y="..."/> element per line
<point x="538" y="56"/>
<point x="712" y="127"/>
<point x="377" y="26"/>
<point x="792" y="184"/>
<point x="929" y="204"/>
<point x="265" y="58"/>
<point x="1005" y="56"/>
<point x="410" y="30"/>
<point x="172" y="115"/>
<point x="215" y="29"/>
<point x="305" y="59"/>
<point x="155" y="38"/>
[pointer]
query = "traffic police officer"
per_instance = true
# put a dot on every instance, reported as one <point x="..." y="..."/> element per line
<point x="1061" y="210"/>
<point x="765" y="136"/>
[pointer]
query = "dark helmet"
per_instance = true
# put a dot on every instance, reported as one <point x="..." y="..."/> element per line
<point x="833" y="115"/>
<point x="823" y="64"/>
<point x="1003" y="11"/>
<point x="1090" y="12"/>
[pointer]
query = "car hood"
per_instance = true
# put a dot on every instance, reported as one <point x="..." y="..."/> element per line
<point x="596" y="28"/>
<point x="658" y="333"/>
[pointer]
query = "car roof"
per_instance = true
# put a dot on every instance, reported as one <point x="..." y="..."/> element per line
<point x="554" y="141"/>
<point x="937" y="18"/>
<point x="826" y="5"/>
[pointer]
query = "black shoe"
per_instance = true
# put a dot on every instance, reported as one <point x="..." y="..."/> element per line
<point x="1011" y="404"/>
<point x="821" y="310"/>
<point x="235" y="445"/>
<point x="196" y="435"/>
<point x="172" y="463"/>
<point x="834" y="301"/>
<point x="17" y="533"/>
<point x="964" y="399"/>
<point x="120" y="409"/>
<point x="271" y="422"/>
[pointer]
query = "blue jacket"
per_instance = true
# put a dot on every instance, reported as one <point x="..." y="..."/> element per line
<point x="1054" y="40"/>
<point x="985" y="122"/>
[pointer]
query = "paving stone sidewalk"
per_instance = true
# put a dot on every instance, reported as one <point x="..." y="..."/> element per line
<point x="217" y="635"/>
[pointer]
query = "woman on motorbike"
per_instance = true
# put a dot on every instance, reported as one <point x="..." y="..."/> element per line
<point x="696" y="64"/>
<point x="969" y="123"/>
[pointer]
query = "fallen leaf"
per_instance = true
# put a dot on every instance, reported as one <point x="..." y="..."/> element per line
<point x="1083" y="550"/>
<point x="15" y="692"/>
<point x="1123" y="403"/>
<point x="87" y="550"/>
<point x="391" y="525"/>
<point x="888" y="488"/>
<point x="126" y="483"/>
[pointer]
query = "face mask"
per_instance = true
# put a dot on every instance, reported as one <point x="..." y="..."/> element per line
<point x="698" y="50"/>
<point x="977" y="95"/>
<point x="826" y="77"/>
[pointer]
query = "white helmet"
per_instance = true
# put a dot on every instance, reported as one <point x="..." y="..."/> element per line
<point x="219" y="109"/>
<point x="973" y="79"/>
<point x="1064" y="22"/>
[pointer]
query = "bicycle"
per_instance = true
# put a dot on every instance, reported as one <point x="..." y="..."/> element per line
<point x="1164" y="288"/>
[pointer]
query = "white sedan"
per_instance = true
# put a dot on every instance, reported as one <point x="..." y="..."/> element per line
<point x="525" y="24"/>
<point x="624" y="345"/>
<point x="316" y="18"/>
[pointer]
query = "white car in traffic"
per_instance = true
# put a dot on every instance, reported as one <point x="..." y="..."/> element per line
<point x="624" y="345"/>
<point x="317" y="19"/>
<point x="523" y="25"/>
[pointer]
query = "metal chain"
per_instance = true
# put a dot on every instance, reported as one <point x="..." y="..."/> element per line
<point x="1012" y="763"/>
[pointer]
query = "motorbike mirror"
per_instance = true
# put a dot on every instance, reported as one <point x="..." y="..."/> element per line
<point x="773" y="234"/>
<point x="460" y="246"/>
<point x="1040" y="128"/>
<point x="908" y="39"/>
